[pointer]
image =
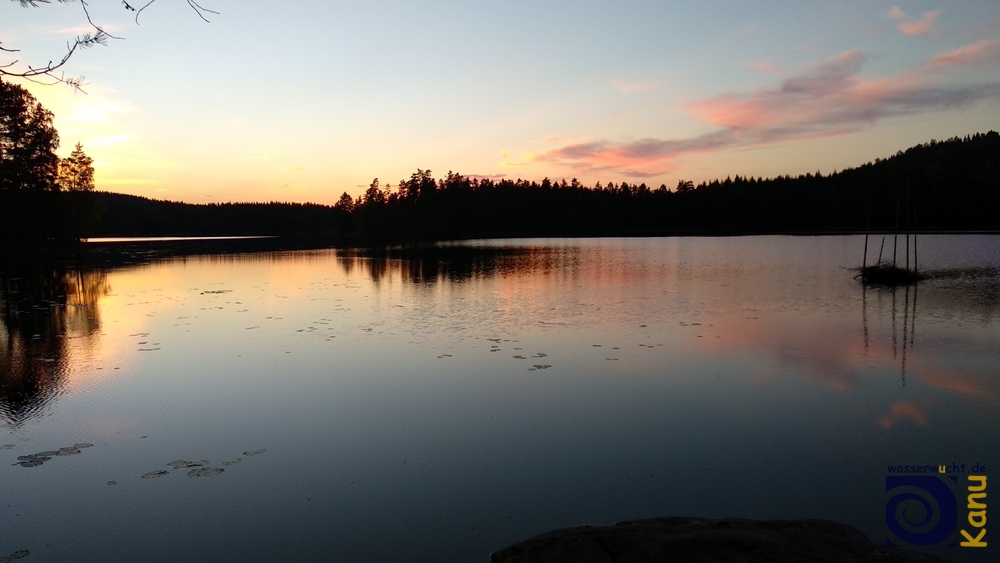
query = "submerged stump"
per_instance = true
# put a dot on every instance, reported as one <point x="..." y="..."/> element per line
<point x="891" y="276"/>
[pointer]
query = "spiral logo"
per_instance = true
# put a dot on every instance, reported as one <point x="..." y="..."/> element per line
<point x="920" y="510"/>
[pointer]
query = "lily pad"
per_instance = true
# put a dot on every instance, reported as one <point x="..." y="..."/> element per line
<point x="182" y="463"/>
<point x="19" y="554"/>
<point x="205" y="472"/>
<point x="112" y="482"/>
<point x="69" y="449"/>
<point x="49" y="453"/>
<point x="83" y="445"/>
<point x="233" y="461"/>
<point x="155" y="474"/>
<point x="30" y="463"/>
<point x="68" y="452"/>
<point x="254" y="452"/>
<point x="26" y="457"/>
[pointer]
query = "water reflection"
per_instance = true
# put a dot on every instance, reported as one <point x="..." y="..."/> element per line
<point x="909" y="322"/>
<point x="745" y="376"/>
<point x="42" y="314"/>
<point x="456" y="262"/>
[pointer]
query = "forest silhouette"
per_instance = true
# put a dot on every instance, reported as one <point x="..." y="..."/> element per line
<point x="945" y="186"/>
<point x="936" y="186"/>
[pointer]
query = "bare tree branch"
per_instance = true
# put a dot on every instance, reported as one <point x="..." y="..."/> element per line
<point x="200" y="10"/>
<point x="99" y="36"/>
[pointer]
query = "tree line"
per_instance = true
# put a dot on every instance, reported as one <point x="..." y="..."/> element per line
<point x="940" y="185"/>
<point x="947" y="185"/>
<point x="951" y="185"/>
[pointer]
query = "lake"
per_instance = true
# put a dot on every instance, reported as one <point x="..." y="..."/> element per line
<point x="438" y="404"/>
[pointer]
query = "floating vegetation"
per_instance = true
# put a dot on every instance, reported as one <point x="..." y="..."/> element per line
<point x="519" y="357"/>
<point x="85" y="445"/>
<point x="34" y="460"/>
<point x="112" y="482"/>
<point x="198" y="468"/>
<point x="19" y="554"/>
<point x="183" y="463"/>
<point x="205" y="472"/>
<point x="540" y="355"/>
<point x="541" y="366"/>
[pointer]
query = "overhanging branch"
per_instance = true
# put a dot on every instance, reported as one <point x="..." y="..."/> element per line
<point x="37" y="73"/>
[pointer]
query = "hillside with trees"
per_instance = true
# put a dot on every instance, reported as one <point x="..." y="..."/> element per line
<point x="947" y="185"/>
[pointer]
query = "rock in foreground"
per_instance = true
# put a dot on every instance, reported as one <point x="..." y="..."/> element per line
<point x="705" y="540"/>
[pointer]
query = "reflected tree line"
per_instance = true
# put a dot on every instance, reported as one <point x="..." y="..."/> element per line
<point x="42" y="314"/>
<point x="428" y="264"/>
<point x="51" y="311"/>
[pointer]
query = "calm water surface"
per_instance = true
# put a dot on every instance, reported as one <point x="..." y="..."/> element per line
<point x="437" y="405"/>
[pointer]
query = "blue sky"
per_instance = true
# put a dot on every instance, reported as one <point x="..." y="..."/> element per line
<point x="303" y="102"/>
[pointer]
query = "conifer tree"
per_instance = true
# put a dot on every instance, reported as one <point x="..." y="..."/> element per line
<point x="76" y="172"/>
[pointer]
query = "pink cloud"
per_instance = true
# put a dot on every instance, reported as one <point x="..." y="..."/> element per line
<point x="766" y="67"/>
<point x="919" y="28"/>
<point x="986" y="51"/>
<point x="827" y="99"/>
<point x="897" y="14"/>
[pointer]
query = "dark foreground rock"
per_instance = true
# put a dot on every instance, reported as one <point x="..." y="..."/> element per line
<point x="705" y="540"/>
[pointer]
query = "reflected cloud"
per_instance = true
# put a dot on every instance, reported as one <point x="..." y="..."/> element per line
<point x="886" y="340"/>
<point x="904" y="410"/>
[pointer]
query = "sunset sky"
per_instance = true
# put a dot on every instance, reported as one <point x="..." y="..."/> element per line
<point x="303" y="101"/>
